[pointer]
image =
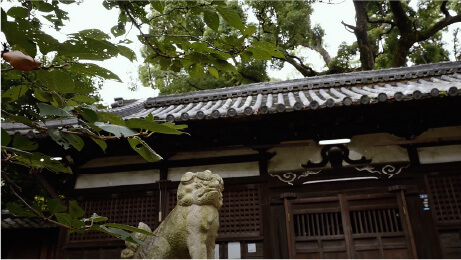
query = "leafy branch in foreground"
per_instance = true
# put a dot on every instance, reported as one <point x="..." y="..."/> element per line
<point x="47" y="86"/>
<point x="71" y="217"/>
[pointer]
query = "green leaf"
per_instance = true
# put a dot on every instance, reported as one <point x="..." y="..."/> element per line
<point x="129" y="228"/>
<point x="101" y="144"/>
<point x="74" y="140"/>
<point x="214" y="72"/>
<point x="89" y="115"/>
<point x="44" y="7"/>
<point x="18" y="12"/>
<point x="199" y="46"/>
<point x="250" y="30"/>
<point x="21" y="119"/>
<point x="246" y="56"/>
<point x="111" y="118"/>
<point x="196" y="70"/>
<point x="211" y="19"/>
<point x="224" y="65"/>
<point x="74" y="209"/>
<point x="14" y="93"/>
<point x="18" y="210"/>
<point x="127" y="52"/>
<point x="231" y="17"/>
<point x="56" y="136"/>
<point x="158" y="5"/>
<point x="267" y="47"/>
<point x="259" y="54"/>
<point x="23" y="143"/>
<point x="139" y="123"/>
<point x="56" y="80"/>
<point x="64" y="218"/>
<point x="48" y="110"/>
<point x="95" y="218"/>
<point x="95" y="70"/>
<point x="93" y="34"/>
<point x="6" y="138"/>
<point x="118" y="233"/>
<point x="84" y="99"/>
<point x="55" y="207"/>
<point x="117" y="130"/>
<point x="144" y="149"/>
<point x="118" y="30"/>
<point x="43" y="95"/>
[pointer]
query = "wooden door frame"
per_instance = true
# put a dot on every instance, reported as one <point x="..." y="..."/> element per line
<point x="345" y="218"/>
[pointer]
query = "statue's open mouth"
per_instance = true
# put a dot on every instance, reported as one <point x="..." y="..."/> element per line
<point x="208" y="191"/>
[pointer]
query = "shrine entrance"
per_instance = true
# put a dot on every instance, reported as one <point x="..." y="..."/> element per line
<point x="350" y="226"/>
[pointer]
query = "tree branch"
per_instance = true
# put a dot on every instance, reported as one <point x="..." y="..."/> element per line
<point x="43" y="68"/>
<point x="35" y="212"/>
<point x="443" y="8"/>
<point x="195" y="38"/>
<point x="122" y="5"/>
<point x="348" y="27"/>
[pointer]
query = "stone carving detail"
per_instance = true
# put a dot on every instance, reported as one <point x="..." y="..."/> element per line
<point x="191" y="228"/>
<point x="289" y="177"/>
<point x="388" y="169"/>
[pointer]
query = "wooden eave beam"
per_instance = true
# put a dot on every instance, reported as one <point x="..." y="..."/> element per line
<point x="422" y="142"/>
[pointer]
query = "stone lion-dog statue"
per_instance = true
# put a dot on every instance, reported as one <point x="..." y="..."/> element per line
<point x="191" y="228"/>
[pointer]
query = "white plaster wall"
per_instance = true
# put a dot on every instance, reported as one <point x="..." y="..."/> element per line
<point x="452" y="131"/>
<point x="116" y="179"/>
<point x="362" y="145"/>
<point x="114" y="160"/>
<point x="224" y="170"/>
<point x="439" y="154"/>
<point x="291" y="158"/>
<point x="210" y="154"/>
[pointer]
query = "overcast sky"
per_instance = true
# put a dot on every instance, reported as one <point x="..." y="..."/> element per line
<point x="92" y="15"/>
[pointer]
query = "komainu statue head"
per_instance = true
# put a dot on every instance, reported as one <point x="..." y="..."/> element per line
<point x="200" y="188"/>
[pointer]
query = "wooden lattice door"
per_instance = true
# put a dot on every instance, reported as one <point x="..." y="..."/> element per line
<point x="359" y="226"/>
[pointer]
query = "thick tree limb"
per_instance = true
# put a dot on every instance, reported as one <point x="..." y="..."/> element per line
<point x="366" y="51"/>
<point x="300" y="66"/>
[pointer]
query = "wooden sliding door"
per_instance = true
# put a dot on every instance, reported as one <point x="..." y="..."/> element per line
<point x="357" y="226"/>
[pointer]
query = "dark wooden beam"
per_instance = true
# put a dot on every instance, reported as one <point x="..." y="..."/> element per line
<point x="173" y="164"/>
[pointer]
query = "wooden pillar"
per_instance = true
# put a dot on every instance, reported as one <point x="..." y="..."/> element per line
<point x="288" y="219"/>
<point x="346" y="220"/>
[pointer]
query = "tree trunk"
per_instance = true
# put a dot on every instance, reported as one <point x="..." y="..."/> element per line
<point x="366" y="52"/>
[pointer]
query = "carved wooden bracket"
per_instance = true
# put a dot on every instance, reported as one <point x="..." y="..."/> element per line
<point x="335" y="154"/>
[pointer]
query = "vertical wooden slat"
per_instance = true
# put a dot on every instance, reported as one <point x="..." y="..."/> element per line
<point x="380" y="219"/>
<point x="322" y="225"/>
<point x="317" y="224"/>
<point x="304" y="226"/>
<point x="308" y="218"/>
<point x="338" y="231"/>
<point x="375" y="222"/>
<point x="360" y="222"/>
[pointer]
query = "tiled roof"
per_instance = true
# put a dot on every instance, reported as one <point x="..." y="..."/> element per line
<point x="11" y="222"/>
<point x="357" y="88"/>
<point x="321" y="92"/>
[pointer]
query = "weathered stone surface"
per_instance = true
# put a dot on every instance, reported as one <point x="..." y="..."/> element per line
<point x="191" y="228"/>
